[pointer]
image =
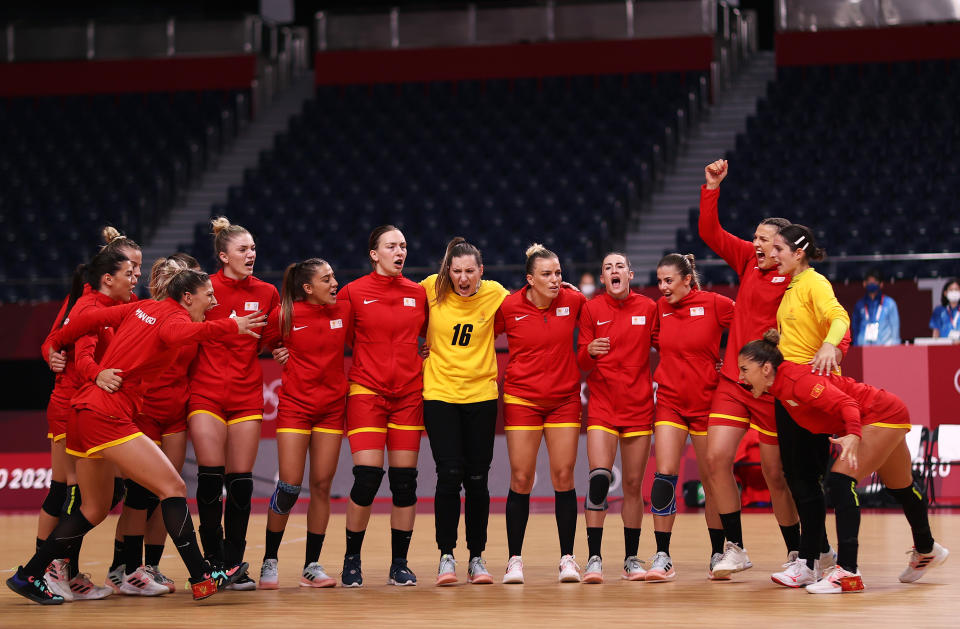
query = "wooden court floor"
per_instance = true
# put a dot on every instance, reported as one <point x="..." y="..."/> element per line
<point x="750" y="600"/>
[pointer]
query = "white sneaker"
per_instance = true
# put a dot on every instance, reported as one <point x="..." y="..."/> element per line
<point x="569" y="570"/>
<point x="477" y="573"/>
<point x="142" y="583"/>
<point x="827" y="560"/>
<point x="314" y="576"/>
<point x="837" y="581"/>
<point x="115" y="578"/>
<point x="83" y="589"/>
<point x="269" y="575"/>
<point x="57" y="577"/>
<point x="920" y="562"/>
<point x="661" y="568"/>
<point x="796" y="574"/>
<point x="593" y="573"/>
<point x="161" y="578"/>
<point x="714" y="560"/>
<point x="447" y="570"/>
<point x="734" y="559"/>
<point x="633" y="569"/>
<point x="514" y="573"/>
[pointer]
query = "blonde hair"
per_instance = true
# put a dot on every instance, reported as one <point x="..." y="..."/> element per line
<point x="537" y="251"/>
<point x="162" y="271"/>
<point x="115" y="241"/>
<point x="223" y="233"/>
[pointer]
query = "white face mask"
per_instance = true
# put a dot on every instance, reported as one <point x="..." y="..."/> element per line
<point x="953" y="296"/>
<point x="588" y="289"/>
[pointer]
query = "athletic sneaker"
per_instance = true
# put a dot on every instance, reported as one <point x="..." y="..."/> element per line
<point x="142" y="583"/>
<point x="161" y="578"/>
<point x="401" y="574"/>
<point x="83" y="589"/>
<point x="243" y="583"/>
<point x="734" y="559"/>
<point x="593" y="573"/>
<point x="115" y="578"/>
<point x="351" y="577"/>
<point x="57" y="577"/>
<point x="217" y="580"/>
<point x="34" y="589"/>
<point x="920" y="562"/>
<point x="447" y="571"/>
<point x="633" y="569"/>
<point x="796" y="574"/>
<point x="827" y="560"/>
<point x="569" y="570"/>
<point x="314" y="576"/>
<point x="661" y="568"/>
<point x="837" y="581"/>
<point x="269" y="575"/>
<point x="477" y="572"/>
<point x="714" y="559"/>
<point x="514" y="573"/>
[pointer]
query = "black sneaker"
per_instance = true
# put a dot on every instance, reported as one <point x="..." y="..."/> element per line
<point x="33" y="588"/>
<point x="351" y="577"/>
<point x="400" y="574"/>
<point x="217" y="580"/>
<point x="243" y="582"/>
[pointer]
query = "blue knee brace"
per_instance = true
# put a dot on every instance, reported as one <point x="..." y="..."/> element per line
<point x="284" y="497"/>
<point x="663" y="495"/>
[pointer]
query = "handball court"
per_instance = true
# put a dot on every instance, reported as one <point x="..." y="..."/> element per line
<point x="749" y="600"/>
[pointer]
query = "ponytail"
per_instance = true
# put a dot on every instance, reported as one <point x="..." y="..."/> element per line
<point x="76" y="290"/>
<point x="685" y="265"/>
<point x="115" y="241"/>
<point x="164" y="269"/>
<point x="106" y="261"/>
<point x="455" y="248"/>
<point x="294" y="278"/>
<point x="801" y="237"/>
<point x="764" y="350"/>
<point x="223" y="233"/>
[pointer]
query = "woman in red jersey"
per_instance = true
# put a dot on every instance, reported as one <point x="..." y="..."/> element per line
<point x="691" y="322"/>
<point x="870" y="426"/>
<point x="104" y="436"/>
<point x="384" y="399"/>
<point x="614" y="350"/>
<point x="540" y="320"/>
<point x="107" y="280"/>
<point x="314" y="327"/>
<point x="226" y="402"/>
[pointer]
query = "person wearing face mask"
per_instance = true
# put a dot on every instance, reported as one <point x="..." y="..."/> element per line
<point x="875" y="319"/>
<point x="226" y="402"/>
<point x="690" y="323"/>
<point x="460" y="401"/>
<point x="384" y="400"/>
<point x="588" y="285"/>
<point x="541" y="402"/>
<point x="314" y="327"/>
<point x="945" y="322"/>
<point x="614" y="349"/>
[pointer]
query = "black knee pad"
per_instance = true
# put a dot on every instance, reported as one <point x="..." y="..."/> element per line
<point x="73" y="501"/>
<point x="239" y="489"/>
<point x="56" y="499"/>
<point x="843" y="491"/>
<point x="119" y="491"/>
<point x="804" y="488"/>
<point x="475" y="481"/>
<point x="284" y="497"/>
<point x="138" y="496"/>
<point x="403" y="486"/>
<point x="596" y="498"/>
<point x="663" y="494"/>
<point x="449" y="478"/>
<point x="366" y="483"/>
<point x="209" y="484"/>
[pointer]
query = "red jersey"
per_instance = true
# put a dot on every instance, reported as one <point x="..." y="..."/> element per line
<point x="833" y="405"/>
<point x="543" y="364"/>
<point x="621" y="389"/>
<point x="313" y="377"/>
<point x="148" y="336"/>
<point x="227" y="370"/>
<point x="389" y="313"/>
<point x="688" y="337"/>
<point x="171" y="389"/>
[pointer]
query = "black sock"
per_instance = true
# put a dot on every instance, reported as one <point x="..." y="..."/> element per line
<point x="39" y="544"/>
<point x="517" y="512"/>
<point x="812" y="516"/>
<point x="152" y="554"/>
<point x="663" y="541"/>
<point x="825" y="543"/>
<point x="354" y="542"/>
<point x="565" y="510"/>
<point x="314" y="546"/>
<point x="117" y="554"/>
<point x="176" y="517"/>
<point x="272" y="544"/>
<point x="915" y="509"/>
<point x="791" y="536"/>
<point x="594" y="540"/>
<point x="631" y="541"/>
<point x="210" y="510"/>
<point x="732" y="527"/>
<point x="847" y="512"/>
<point x="236" y="515"/>
<point x="68" y="532"/>
<point x="717" y="537"/>
<point x="132" y="552"/>
<point x="400" y="543"/>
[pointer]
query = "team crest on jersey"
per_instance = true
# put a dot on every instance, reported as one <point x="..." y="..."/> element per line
<point x="642" y="320"/>
<point x="696" y="311"/>
<point x="779" y="279"/>
<point x="336" y="324"/>
<point x="410" y="302"/>
<point x="817" y="390"/>
<point x="251" y="305"/>
<point x="563" y="312"/>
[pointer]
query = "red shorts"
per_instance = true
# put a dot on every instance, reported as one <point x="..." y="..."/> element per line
<point x="638" y="430"/>
<point x="329" y="420"/>
<point x="58" y="416"/>
<point x="201" y="404"/>
<point x="667" y="416"/>
<point x="887" y="411"/>
<point x="158" y="428"/>
<point x="522" y="415"/>
<point x="375" y="421"/>
<point x="735" y="406"/>
<point x="89" y="432"/>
